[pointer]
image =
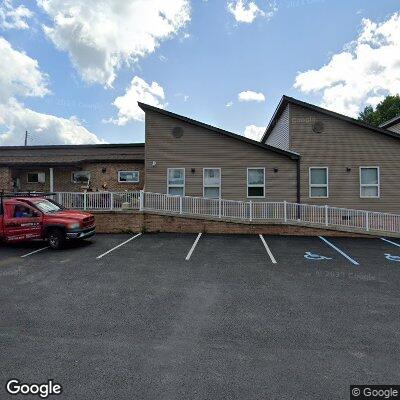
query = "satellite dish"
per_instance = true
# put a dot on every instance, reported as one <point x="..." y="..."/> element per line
<point x="177" y="132"/>
<point x="318" y="127"/>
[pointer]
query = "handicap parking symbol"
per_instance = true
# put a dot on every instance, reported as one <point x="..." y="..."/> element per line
<point x="392" y="258"/>
<point x="315" y="257"/>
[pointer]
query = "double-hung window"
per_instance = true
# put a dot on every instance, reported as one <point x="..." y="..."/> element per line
<point x="369" y="182"/>
<point x="255" y="182"/>
<point x="212" y="183"/>
<point x="176" y="181"/>
<point x="319" y="182"/>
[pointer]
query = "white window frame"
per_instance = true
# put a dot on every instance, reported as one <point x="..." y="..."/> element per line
<point x="314" y="185"/>
<point x="138" y="176"/>
<point x="80" y="183"/>
<point x="184" y="181"/>
<point x="212" y="186"/>
<point x="38" y="181"/>
<point x="378" y="185"/>
<point x="248" y="185"/>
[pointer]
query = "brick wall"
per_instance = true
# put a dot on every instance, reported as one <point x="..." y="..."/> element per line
<point x="118" y="222"/>
<point x="63" y="177"/>
<point x="5" y="179"/>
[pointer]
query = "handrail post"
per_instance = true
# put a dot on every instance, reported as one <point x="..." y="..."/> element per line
<point x="219" y="207"/>
<point x="180" y="205"/>
<point x="367" y="220"/>
<point x="84" y="200"/>
<point x="111" y="201"/>
<point x="251" y="210"/>
<point x="285" y="211"/>
<point x="326" y="215"/>
<point x="141" y="200"/>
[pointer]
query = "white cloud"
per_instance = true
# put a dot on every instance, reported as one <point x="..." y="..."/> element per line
<point x="247" y="11"/>
<point x="14" y="17"/>
<point x="21" y="78"/>
<point x="254" y="132"/>
<point x="229" y="104"/>
<point x="20" y="74"/>
<point x="364" y="72"/>
<point x="139" y="90"/>
<point x="43" y="128"/>
<point x="101" y="35"/>
<point x="249" y="95"/>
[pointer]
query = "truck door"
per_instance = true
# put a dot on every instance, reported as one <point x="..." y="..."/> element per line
<point x="21" y="222"/>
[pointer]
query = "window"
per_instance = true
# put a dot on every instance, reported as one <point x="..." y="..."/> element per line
<point x="176" y="181"/>
<point x="212" y="183"/>
<point x="81" y="177"/>
<point x="128" y="176"/>
<point x="319" y="182"/>
<point x="36" y="177"/>
<point x="255" y="182"/>
<point x="369" y="182"/>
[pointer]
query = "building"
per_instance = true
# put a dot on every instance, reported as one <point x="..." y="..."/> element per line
<point x="307" y="155"/>
<point x="72" y="168"/>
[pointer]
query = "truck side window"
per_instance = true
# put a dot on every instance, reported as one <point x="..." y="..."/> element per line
<point x="22" y="212"/>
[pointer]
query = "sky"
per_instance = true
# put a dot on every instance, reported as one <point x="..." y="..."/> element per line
<point x="72" y="71"/>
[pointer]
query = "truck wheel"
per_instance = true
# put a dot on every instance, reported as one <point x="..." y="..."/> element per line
<point x="55" y="238"/>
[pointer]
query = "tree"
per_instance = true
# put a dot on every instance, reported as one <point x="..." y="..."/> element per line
<point x="387" y="109"/>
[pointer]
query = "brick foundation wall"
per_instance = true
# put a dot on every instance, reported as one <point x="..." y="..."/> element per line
<point x="118" y="222"/>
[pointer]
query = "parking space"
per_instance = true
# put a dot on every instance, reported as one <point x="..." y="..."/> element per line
<point x="153" y="312"/>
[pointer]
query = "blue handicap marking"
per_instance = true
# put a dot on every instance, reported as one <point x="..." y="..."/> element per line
<point x="315" y="257"/>
<point x="392" y="258"/>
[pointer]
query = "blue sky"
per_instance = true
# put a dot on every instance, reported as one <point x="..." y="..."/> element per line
<point x="338" y="54"/>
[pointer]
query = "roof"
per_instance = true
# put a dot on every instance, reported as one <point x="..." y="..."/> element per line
<point x="147" y="107"/>
<point x="73" y="146"/>
<point x="290" y="100"/>
<point x="391" y="122"/>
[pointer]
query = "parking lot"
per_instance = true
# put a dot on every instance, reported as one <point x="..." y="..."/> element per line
<point x="201" y="316"/>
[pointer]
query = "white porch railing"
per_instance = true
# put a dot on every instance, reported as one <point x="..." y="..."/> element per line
<point x="99" y="200"/>
<point x="284" y="212"/>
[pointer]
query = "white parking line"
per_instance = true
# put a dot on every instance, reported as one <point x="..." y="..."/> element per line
<point x="339" y="251"/>
<point x="116" y="247"/>
<point x="193" y="247"/>
<point x="36" y="251"/>
<point x="389" y="241"/>
<point x="271" y="256"/>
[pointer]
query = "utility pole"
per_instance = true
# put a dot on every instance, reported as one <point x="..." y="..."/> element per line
<point x="26" y="138"/>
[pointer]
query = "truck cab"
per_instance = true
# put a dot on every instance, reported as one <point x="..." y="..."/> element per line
<point x="33" y="217"/>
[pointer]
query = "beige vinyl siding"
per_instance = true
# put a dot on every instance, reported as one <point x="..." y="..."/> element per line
<point x="200" y="148"/>
<point x="279" y="136"/>
<point x="395" y="128"/>
<point x="344" y="145"/>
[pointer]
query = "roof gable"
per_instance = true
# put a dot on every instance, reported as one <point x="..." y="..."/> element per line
<point x="290" y="100"/>
<point x="146" y="107"/>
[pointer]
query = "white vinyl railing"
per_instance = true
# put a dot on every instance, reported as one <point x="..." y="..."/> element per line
<point x="99" y="200"/>
<point x="284" y="212"/>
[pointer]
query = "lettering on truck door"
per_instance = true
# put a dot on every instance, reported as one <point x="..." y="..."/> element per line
<point x="21" y="222"/>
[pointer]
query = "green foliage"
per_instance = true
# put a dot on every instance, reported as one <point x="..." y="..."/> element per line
<point x="387" y="109"/>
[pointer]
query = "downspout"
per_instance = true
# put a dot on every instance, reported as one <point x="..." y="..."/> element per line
<point x="298" y="181"/>
<point x="298" y="189"/>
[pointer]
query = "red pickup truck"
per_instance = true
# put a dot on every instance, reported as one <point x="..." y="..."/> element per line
<point x="31" y="217"/>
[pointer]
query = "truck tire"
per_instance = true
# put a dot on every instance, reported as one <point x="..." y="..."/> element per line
<point x="55" y="237"/>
